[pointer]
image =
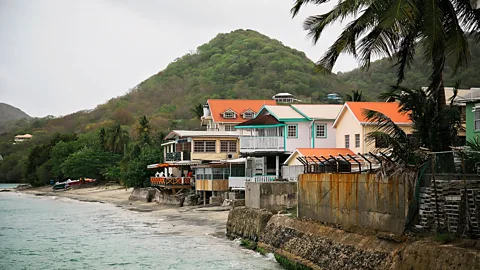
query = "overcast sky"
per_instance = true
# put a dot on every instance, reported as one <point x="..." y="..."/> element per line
<point x="60" y="56"/>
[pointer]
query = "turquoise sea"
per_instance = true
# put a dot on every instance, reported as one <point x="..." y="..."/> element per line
<point x="59" y="233"/>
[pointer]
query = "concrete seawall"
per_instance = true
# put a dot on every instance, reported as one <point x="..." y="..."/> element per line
<point x="323" y="247"/>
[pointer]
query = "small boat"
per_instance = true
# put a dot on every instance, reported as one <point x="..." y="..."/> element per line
<point x="66" y="184"/>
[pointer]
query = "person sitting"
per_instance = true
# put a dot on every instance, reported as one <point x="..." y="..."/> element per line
<point x="157" y="174"/>
<point x="161" y="174"/>
<point x="189" y="174"/>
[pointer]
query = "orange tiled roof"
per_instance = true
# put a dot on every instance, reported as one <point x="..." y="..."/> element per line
<point x="324" y="151"/>
<point x="218" y="106"/>
<point x="389" y="109"/>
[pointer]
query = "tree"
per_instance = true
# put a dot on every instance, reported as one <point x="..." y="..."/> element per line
<point x="197" y="110"/>
<point x="355" y="96"/>
<point x="88" y="162"/>
<point x="395" y="28"/>
<point x="102" y="138"/>
<point x="136" y="174"/>
<point x="144" y="131"/>
<point x="116" y="138"/>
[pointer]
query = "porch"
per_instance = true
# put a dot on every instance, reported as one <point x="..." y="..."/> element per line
<point x="171" y="182"/>
<point x="265" y="138"/>
<point x="238" y="182"/>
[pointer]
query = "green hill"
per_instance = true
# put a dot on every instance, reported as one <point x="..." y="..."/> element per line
<point x="9" y="114"/>
<point x="382" y="75"/>
<point x="240" y="64"/>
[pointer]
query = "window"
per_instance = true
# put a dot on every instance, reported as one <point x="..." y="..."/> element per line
<point x="248" y="115"/>
<point x="357" y="140"/>
<point x="230" y="128"/>
<point x="229" y="115"/>
<point x="292" y="131"/>
<point x="380" y="143"/>
<point x="204" y="146"/>
<point x="321" y="131"/>
<point x="228" y="146"/>
<point x="347" y="141"/>
<point x="477" y="119"/>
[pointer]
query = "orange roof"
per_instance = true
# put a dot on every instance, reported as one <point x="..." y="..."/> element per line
<point x="390" y="109"/>
<point x="219" y="106"/>
<point x="324" y="152"/>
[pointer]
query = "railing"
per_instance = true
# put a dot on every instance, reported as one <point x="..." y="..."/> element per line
<point x="169" y="181"/>
<point x="238" y="182"/>
<point x="177" y="156"/>
<point x="261" y="143"/>
<point x="262" y="178"/>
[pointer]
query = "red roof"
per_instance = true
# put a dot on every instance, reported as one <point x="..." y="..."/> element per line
<point x="310" y="152"/>
<point x="219" y="106"/>
<point x="390" y="109"/>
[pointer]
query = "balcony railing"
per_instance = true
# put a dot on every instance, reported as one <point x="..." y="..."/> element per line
<point x="178" y="156"/>
<point x="251" y="144"/>
<point x="238" y="182"/>
<point x="169" y="181"/>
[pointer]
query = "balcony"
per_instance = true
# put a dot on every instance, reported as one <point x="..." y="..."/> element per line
<point x="259" y="144"/>
<point x="178" y="156"/>
<point x="171" y="182"/>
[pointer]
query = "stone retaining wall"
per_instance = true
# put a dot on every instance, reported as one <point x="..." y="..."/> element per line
<point x="142" y="194"/>
<point x="313" y="244"/>
<point x="247" y="222"/>
<point x="323" y="247"/>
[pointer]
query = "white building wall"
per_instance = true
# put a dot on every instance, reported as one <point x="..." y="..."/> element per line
<point x="329" y="141"/>
<point x="304" y="136"/>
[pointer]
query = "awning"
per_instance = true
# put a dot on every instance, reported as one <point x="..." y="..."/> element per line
<point x="158" y="165"/>
<point x="188" y="162"/>
<point x="237" y="160"/>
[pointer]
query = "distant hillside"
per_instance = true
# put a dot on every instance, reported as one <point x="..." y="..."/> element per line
<point x="9" y="114"/>
<point x="382" y="75"/>
<point x="241" y="64"/>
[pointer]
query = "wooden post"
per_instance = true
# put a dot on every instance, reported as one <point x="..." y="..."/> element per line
<point x="204" y="197"/>
<point x="435" y="192"/>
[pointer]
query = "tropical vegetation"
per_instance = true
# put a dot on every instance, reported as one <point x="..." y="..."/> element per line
<point x="397" y="29"/>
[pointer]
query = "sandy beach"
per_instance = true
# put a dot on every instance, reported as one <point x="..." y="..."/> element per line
<point x="194" y="219"/>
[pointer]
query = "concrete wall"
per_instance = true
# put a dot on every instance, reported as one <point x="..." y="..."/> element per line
<point x="352" y="200"/>
<point x="274" y="196"/>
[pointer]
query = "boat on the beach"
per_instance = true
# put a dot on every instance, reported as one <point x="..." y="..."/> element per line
<point x="70" y="183"/>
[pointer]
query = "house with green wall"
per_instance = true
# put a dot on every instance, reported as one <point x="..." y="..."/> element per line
<point x="472" y="113"/>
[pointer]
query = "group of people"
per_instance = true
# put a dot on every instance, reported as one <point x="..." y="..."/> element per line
<point x="162" y="174"/>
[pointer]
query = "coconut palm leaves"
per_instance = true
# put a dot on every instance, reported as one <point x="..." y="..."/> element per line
<point x="116" y="139"/>
<point x="355" y="96"/>
<point x="394" y="28"/>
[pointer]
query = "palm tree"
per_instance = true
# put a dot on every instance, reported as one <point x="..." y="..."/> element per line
<point x="197" y="110"/>
<point x="144" y="130"/>
<point x="102" y="138"/>
<point x="355" y="96"/>
<point x="116" y="138"/>
<point x="395" y="28"/>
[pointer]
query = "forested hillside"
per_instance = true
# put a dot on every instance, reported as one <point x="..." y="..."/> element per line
<point x="8" y="114"/>
<point x="240" y="64"/>
<point x="382" y="74"/>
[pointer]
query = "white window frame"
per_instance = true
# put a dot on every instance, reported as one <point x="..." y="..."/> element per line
<point x="229" y="127"/>
<point x="476" y="118"/>
<point x="357" y="140"/>
<point x="318" y="131"/>
<point x="229" y="115"/>
<point x="248" y="115"/>
<point x="347" y="141"/>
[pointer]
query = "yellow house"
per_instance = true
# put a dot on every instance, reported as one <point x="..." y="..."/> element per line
<point x="352" y="126"/>
<point x="198" y="146"/>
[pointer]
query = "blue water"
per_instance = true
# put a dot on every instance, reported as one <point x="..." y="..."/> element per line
<point x="50" y="233"/>
<point x="2" y="186"/>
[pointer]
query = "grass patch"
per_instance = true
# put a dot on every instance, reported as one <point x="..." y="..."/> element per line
<point x="444" y="238"/>
<point x="248" y="244"/>
<point x="261" y="250"/>
<point x="289" y="265"/>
